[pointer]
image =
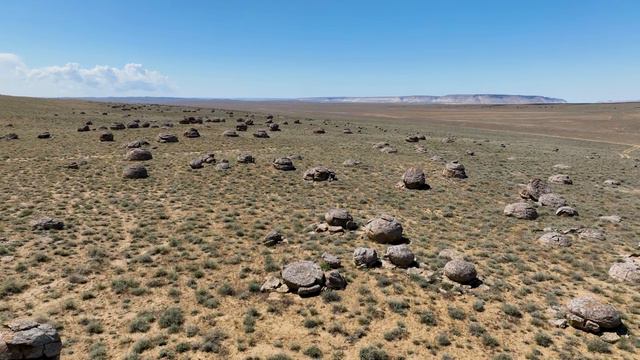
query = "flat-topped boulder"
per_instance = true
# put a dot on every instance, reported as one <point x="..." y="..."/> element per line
<point x="589" y="314"/>
<point x="566" y="211"/>
<point x="455" y="170"/>
<point x="44" y="135"/>
<point x="284" y="164"/>
<point x="117" y="126"/>
<point x="591" y="234"/>
<point x="47" y="223"/>
<point x="384" y="229"/>
<point x="319" y="173"/>
<point x="627" y="270"/>
<point x="560" y="179"/>
<point x="351" y="163"/>
<point x="167" y="138"/>
<point x="192" y="133"/>
<point x="137" y="144"/>
<point x="245" y="158"/>
<point x="551" y="200"/>
<point x="230" y="133"/>
<point x="554" y="239"/>
<point x="612" y="182"/>
<point x="318" y="131"/>
<point x="303" y="275"/>
<point x="261" y="134"/>
<point x="29" y="339"/>
<point x="521" y="210"/>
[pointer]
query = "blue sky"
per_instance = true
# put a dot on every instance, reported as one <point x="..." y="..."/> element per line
<point x="576" y="50"/>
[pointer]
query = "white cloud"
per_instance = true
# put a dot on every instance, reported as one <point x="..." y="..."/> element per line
<point x="72" y="79"/>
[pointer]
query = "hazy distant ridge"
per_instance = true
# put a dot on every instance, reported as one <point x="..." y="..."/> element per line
<point x="473" y="99"/>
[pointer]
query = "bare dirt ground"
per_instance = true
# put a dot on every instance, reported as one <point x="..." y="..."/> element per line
<point x="170" y="267"/>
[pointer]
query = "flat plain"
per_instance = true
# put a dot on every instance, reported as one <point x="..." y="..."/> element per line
<point x="171" y="266"/>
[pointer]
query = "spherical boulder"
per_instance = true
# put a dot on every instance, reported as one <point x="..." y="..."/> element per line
<point x="384" y="229"/>
<point x="400" y="256"/>
<point x="414" y="178"/>
<point x="454" y="170"/>
<point x="460" y="271"/>
<point x="284" y="164"/>
<point x="589" y="314"/>
<point x="521" y="210"/>
<point x="135" y="172"/>
<point x="137" y="154"/>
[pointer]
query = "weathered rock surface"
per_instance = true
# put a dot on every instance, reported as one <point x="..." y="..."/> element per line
<point x="535" y="189"/>
<point x="521" y="210"/>
<point x="230" y="133"/>
<point x="192" y="133"/>
<point x="331" y="260"/>
<point x="351" y="163"/>
<point x="365" y="257"/>
<point x="106" y="137"/>
<point x="245" y="159"/>
<point x="272" y="238"/>
<point x="400" y="256"/>
<point x="302" y="274"/>
<point x="167" y="138"/>
<point x="561" y="179"/>
<point x="589" y="314"/>
<point x="551" y="200"/>
<point x="628" y="270"/>
<point x="137" y="154"/>
<point x="414" y="179"/>
<point x="454" y="170"/>
<point x="319" y="173"/>
<point x="384" y="229"/>
<point x="334" y="280"/>
<point x="339" y="217"/>
<point x="283" y="163"/>
<point x="135" y="172"/>
<point x="47" y="223"/>
<point x="460" y="271"/>
<point x="591" y="234"/>
<point x="567" y="211"/>
<point x="28" y="339"/>
<point x="554" y="239"/>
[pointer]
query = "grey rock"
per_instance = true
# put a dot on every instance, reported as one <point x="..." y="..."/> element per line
<point x="536" y="188"/>
<point x="612" y="182"/>
<point x="47" y="223"/>
<point x="246" y="159"/>
<point x="331" y="260"/>
<point x="552" y="200"/>
<point x="137" y="154"/>
<point x="384" y="229"/>
<point x="561" y="179"/>
<point x="351" y="163"/>
<point x="338" y="217"/>
<point x="589" y="314"/>
<point x="106" y="137"/>
<point x="135" y="172"/>
<point x="365" y="257"/>
<point x="454" y="170"/>
<point x="137" y="144"/>
<point x="319" y="173"/>
<point x="167" y="138"/>
<point x="567" y="211"/>
<point x="460" y="271"/>
<point x="284" y="164"/>
<point x="334" y="280"/>
<point x="306" y="291"/>
<point x="450" y="254"/>
<point x="591" y="234"/>
<point x="400" y="256"/>
<point x="414" y="178"/>
<point x="261" y="134"/>
<point x="610" y="337"/>
<point x="554" y="239"/>
<point x="521" y="210"/>
<point x="614" y="219"/>
<point x="192" y="133"/>
<point x="272" y="238"/>
<point x="26" y="339"/>
<point x="628" y="270"/>
<point x="230" y="133"/>
<point x="302" y="274"/>
<point x="318" y="131"/>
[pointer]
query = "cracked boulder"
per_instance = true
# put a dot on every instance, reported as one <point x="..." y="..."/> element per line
<point x="28" y="339"/>
<point x="521" y="210"/>
<point x="628" y="270"/>
<point x="384" y="229"/>
<point x="591" y="315"/>
<point x="303" y="277"/>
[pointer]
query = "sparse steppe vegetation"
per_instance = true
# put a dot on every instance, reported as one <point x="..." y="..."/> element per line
<point x="170" y="266"/>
